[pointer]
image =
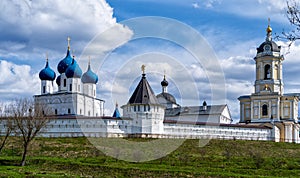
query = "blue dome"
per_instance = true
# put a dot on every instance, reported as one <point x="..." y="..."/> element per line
<point x="63" y="64"/>
<point x="58" y="80"/>
<point x="47" y="73"/>
<point x="89" y="76"/>
<point x="73" y="71"/>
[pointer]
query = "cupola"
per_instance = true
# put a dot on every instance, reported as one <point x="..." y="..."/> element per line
<point x="89" y="76"/>
<point x="64" y="63"/>
<point x="268" y="45"/>
<point x="73" y="70"/>
<point x="47" y="73"/>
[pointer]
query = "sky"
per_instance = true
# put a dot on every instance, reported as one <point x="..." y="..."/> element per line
<point x="204" y="47"/>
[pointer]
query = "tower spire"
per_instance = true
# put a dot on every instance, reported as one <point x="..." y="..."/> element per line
<point x="47" y="57"/>
<point x="69" y="39"/>
<point x="143" y="68"/>
<point x="269" y="31"/>
<point x="116" y="112"/>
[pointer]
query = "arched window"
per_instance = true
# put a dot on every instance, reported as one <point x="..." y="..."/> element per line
<point x="267" y="71"/>
<point x="265" y="110"/>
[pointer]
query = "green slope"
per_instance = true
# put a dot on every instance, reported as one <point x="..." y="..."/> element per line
<point x="77" y="157"/>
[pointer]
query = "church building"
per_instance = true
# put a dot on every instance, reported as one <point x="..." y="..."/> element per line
<point x="269" y="105"/>
<point x="76" y="93"/>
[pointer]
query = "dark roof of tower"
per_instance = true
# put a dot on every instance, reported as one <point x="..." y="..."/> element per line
<point x="273" y="45"/>
<point x="143" y="94"/>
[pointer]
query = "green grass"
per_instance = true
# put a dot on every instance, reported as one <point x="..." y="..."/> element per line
<point x="77" y="157"/>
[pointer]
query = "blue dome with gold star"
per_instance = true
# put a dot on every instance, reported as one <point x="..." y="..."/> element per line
<point x="73" y="70"/>
<point x="47" y="73"/>
<point x="89" y="76"/>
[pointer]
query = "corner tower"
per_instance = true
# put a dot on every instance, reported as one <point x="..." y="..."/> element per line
<point x="145" y="110"/>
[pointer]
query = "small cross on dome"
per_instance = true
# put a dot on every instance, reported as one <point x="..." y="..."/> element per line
<point x="143" y="68"/>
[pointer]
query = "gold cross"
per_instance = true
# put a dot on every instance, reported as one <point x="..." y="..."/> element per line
<point x="69" y="39"/>
<point x="143" y="68"/>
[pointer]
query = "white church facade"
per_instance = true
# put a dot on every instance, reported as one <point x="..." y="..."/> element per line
<point x="267" y="114"/>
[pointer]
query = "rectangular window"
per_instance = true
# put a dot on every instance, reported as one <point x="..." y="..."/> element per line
<point x="65" y="82"/>
<point x="70" y="87"/>
<point x="265" y="110"/>
<point x="55" y="111"/>
<point x="44" y="89"/>
<point x="69" y="111"/>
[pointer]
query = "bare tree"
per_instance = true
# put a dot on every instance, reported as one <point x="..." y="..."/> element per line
<point x="7" y="125"/>
<point x="293" y="15"/>
<point x="30" y="118"/>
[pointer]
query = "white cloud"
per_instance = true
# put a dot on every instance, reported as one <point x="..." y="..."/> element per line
<point x="196" y="5"/>
<point x="43" y="24"/>
<point x="17" y="80"/>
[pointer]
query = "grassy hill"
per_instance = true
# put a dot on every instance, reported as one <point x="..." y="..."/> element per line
<point x="77" y="157"/>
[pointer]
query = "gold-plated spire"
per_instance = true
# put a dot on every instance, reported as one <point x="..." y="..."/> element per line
<point x="269" y="29"/>
<point x="89" y="60"/>
<point x="69" y="39"/>
<point x="143" y="68"/>
<point x="164" y="74"/>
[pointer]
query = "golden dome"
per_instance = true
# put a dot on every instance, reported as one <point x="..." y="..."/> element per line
<point x="269" y="29"/>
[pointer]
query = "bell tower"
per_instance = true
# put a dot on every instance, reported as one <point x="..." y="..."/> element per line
<point x="268" y="105"/>
<point x="268" y="66"/>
